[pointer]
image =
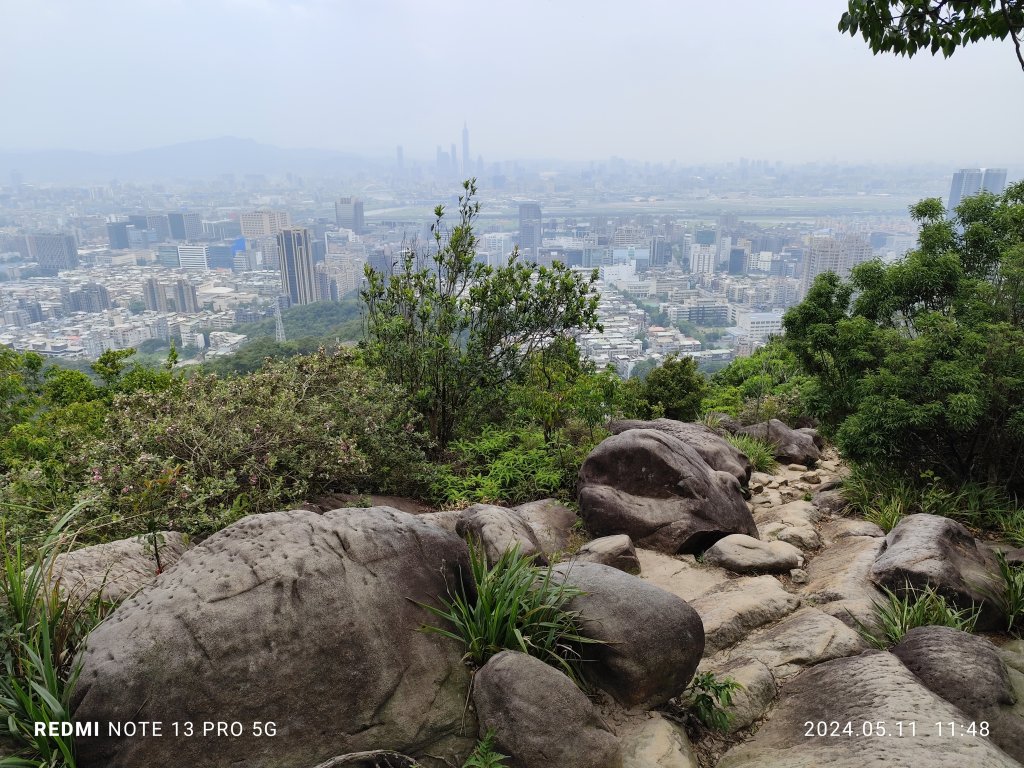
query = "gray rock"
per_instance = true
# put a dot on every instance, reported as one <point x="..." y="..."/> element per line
<point x="798" y="576"/>
<point x="657" y="490"/>
<point x="117" y="569"/>
<point x="656" y="743"/>
<point x="731" y="611"/>
<point x="446" y="521"/>
<point x="792" y="523"/>
<point x="967" y="672"/>
<point x="551" y="521"/>
<point x="740" y="553"/>
<point x="652" y="640"/>
<point x="533" y="708"/>
<point x="831" y="502"/>
<point x="718" y="452"/>
<point x="936" y="551"/>
<point x="839" y="580"/>
<point x="725" y="422"/>
<point x="792" y="446"/>
<point x="498" y="529"/>
<point x="870" y="688"/>
<point x="759" y="690"/>
<point x="615" y="551"/>
<point x="308" y="620"/>
<point x="834" y="530"/>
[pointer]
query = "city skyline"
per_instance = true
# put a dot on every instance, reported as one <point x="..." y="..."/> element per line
<point x="695" y="84"/>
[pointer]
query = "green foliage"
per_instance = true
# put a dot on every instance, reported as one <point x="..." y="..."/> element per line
<point x="898" y="614"/>
<point x="518" y="606"/>
<point x="709" y="698"/>
<point x="1009" y="595"/>
<point x="509" y="466"/>
<point x="41" y="632"/>
<point x="905" y="27"/>
<point x="673" y="390"/>
<point x="451" y="332"/>
<point x="207" y="451"/>
<point x="924" y="369"/>
<point x="760" y="453"/>
<point x="765" y="385"/>
<point x="484" y="754"/>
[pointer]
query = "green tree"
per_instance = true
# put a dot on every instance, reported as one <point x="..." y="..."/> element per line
<point x="674" y="389"/>
<point x="919" y="365"/>
<point x="905" y="27"/>
<point x="451" y="331"/>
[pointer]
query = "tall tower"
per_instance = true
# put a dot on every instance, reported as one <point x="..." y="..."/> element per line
<point x="530" y="229"/>
<point x="994" y="180"/>
<point x="966" y="183"/>
<point x="467" y="169"/>
<point x="279" y="324"/>
<point x="298" y="276"/>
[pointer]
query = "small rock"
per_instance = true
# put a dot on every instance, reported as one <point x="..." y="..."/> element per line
<point x="531" y="706"/>
<point x="615" y="551"/>
<point x="796" y="468"/>
<point x="762" y="477"/>
<point x="744" y="554"/>
<point x="814" y="478"/>
<point x="656" y="743"/>
<point x="498" y="529"/>
<point x="798" y="576"/>
<point x="755" y="488"/>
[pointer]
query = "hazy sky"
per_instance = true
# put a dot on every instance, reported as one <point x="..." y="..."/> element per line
<point x="691" y="80"/>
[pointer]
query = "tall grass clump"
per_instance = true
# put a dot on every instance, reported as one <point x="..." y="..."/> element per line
<point x="1008" y="596"/>
<point x="518" y="606"/>
<point x="42" y="630"/>
<point x="898" y="614"/>
<point x="760" y="453"/>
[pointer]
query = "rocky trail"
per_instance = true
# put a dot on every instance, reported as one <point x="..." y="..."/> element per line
<point x="308" y="618"/>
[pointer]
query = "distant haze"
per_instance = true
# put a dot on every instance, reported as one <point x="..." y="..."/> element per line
<point x="693" y="81"/>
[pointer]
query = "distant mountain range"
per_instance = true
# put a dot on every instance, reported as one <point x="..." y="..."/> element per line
<point x="188" y="160"/>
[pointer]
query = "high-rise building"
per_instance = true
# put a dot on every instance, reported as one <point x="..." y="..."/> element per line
<point x="178" y="296"/>
<point x="737" y="261"/>
<point x="156" y="223"/>
<point x="53" y="252"/>
<point x="994" y="180"/>
<point x="117" y="235"/>
<point x="703" y="259"/>
<point x="185" y="226"/>
<point x="834" y="254"/>
<point x="530" y="230"/>
<point x="262" y="223"/>
<point x="966" y="183"/>
<point x="298" y="275"/>
<point x="194" y="258"/>
<point x="348" y="214"/>
<point x="167" y="256"/>
<point x="91" y="297"/>
<point x="467" y="169"/>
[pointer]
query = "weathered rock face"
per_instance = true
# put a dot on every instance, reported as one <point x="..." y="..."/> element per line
<point x="839" y="580"/>
<point x="615" y="551"/>
<point x="660" y="492"/>
<point x="652" y="640"/>
<point x="539" y="717"/>
<point x="930" y="550"/>
<point x="792" y="446"/>
<point x="498" y="529"/>
<point x="870" y="688"/>
<point x="830" y="502"/>
<point x="719" y="453"/>
<point x="551" y="522"/>
<point x="750" y="702"/>
<point x="302" y="619"/>
<point x="116" y="569"/>
<point x="656" y="743"/>
<point x="742" y="554"/>
<point x="732" y="611"/>
<point x="967" y="672"/>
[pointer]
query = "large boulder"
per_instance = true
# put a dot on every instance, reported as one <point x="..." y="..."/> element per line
<point x="967" y="672"/>
<point x="532" y="708"/>
<point x="116" y="570"/>
<point x="551" y="522"/>
<point x="734" y="609"/>
<point x="658" y="490"/>
<point x="303" y="619"/>
<point x="928" y="550"/>
<point x="866" y="691"/>
<point x="791" y="446"/>
<point x="651" y="640"/>
<point x="718" y="452"/>
<point x="743" y="554"/>
<point x="616" y="551"/>
<point x="498" y="529"/>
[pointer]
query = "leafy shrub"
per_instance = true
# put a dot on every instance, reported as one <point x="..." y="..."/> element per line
<point x="41" y="632"/>
<point x="484" y="755"/>
<point x="510" y="466"/>
<point x="709" y="698"/>
<point x="760" y="453"/>
<point x="896" y="615"/>
<point x="1009" y="595"/>
<point x="518" y="606"/>
<point x="886" y="515"/>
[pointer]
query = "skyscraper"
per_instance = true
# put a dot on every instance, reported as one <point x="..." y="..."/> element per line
<point x="53" y="252"/>
<point x="966" y="183"/>
<point x="262" y="223"/>
<point x="185" y="226"/>
<point x="467" y="170"/>
<point x="298" y="276"/>
<point x="831" y="254"/>
<point x="117" y="235"/>
<point x="994" y="180"/>
<point x="530" y="230"/>
<point x="348" y="213"/>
